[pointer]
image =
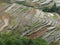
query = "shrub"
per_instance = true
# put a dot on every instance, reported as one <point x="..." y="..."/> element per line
<point x="52" y="9"/>
<point x="8" y="39"/>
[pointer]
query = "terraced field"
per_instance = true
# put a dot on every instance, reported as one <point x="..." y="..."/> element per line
<point x="34" y="23"/>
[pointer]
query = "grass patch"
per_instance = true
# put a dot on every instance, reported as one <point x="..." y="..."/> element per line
<point x="54" y="16"/>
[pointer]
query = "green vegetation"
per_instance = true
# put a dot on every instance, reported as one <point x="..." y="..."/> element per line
<point x="54" y="43"/>
<point x="36" y="24"/>
<point x="25" y="28"/>
<point x="24" y="3"/>
<point x="2" y="3"/>
<point x="10" y="39"/>
<point x="52" y="9"/>
<point x="54" y="16"/>
<point x="21" y="2"/>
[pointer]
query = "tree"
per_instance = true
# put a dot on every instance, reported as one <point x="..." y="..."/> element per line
<point x="52" y="9"/>
<point x="11" y="39"/>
